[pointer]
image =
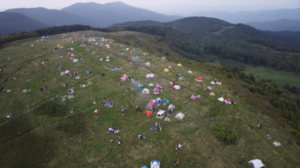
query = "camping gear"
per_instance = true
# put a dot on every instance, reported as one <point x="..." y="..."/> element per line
<point x="212" y="94"/>
<point x="161" y="114"/>
<point x="212" y="83"/>
<point x="176" y="87"/>
<point x="221" y="99"/>
<point x="256" y="163"/>
<point x="179" y="116"/>
<point x="150" y="76"/>
<point x="151" y="84"/>
<point x="276" y="143"/>
<point x="146" y="91"/>
<point x="166" y="70"/>
<point x="155" y="164"/>
<point x="124" y="77"/>
<point x="166" y="100"/>
<point x="150" y="105"/>
<point x="148" y="112"/>
<point x="145" y="55"/>
<point x="198" y="79"/>
<point x="195" y="98"/>
<point x="158" y="100"/>
<point x="227" y="101"/>
<point x="167" y="119"/>
<point x="179" y="65"/>
<point x="140" y="85"/>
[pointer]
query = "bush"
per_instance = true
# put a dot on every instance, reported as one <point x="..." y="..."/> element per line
<point x="224" y="133"/>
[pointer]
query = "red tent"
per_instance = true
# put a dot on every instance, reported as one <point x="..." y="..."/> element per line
<point x="198" y="79"/>
<point x="124" y="77"/>
<point x="171" y="85"/>
<point x="228" y="101"/>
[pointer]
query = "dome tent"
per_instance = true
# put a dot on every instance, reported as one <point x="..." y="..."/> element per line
<point x="212" y="94"/>
<point x="148" y="64"/>
<point x="146" y="91"/>
<point x="176" y="87"/>
<point x="166" y="100"/>
<point x="221" y="99"/>
<point x="124" y="77"/>
<point x="163" y="58"/>
<point x="140" y="85"/>
<point x="166" y="70"/>
<point x="155" y="91"/>
<point x="190" y="72"/>
<point x="171" y="107"/>
<point x="179" y="116"/>
<point x="195" y="98"/>
<point x="171" y="84"/>
<point x="148" y="112"/>
<point x="227" y="101"/>
<point x="256" y="163"/>
<point x="151" y="84"/>
<point x="198" y="79"/>
<point x="158" y="100"/>
<point x="150" y="76"/>
<point x="155" y="164"/>
<point x="161" y="114"/>
<point x="276" y="143"/>
<point x="150" y="105"/>
<point x="212" y="83"/>
<point x="145" y="54"/>
<point x="179" y="65"/>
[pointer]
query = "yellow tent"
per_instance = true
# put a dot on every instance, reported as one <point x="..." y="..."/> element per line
<point x="108" y="46"/>
<point x="127" y="49"/>
<point x="179" y="64"/>
<point x="212" y="94"/>
<point x="166" y="70"/>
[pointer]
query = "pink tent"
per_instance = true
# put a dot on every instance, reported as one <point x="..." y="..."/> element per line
<point x="198" y="79"/>
<point x="227" y="101"/>
<point x="155" y="91"/>
<point x="124" y="77"/>
<point x="171" y="85"/>
<point x="158" y="85"/>
<point x="71" y="58"/>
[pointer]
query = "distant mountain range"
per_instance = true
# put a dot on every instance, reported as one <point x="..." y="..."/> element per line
<point x="253" y="16"/>
<point x="278" y="25"/>
<point x="16" y="23"/>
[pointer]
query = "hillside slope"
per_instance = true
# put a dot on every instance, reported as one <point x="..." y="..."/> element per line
<point x="53" y="17"/>
<point x="116" y="12"/>
<point x="16" y="23"/>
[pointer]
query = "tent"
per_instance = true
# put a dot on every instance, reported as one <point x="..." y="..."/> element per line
<point x="167" y="119"/>
<point x="179" y="116"/>
<point x="171" y="84"/>
<point x="135" y="57"/>
<point x="144" y="167"/>
<point x="161" y="114"/>
<point x="158" y="100"/>
<point x="71" y="91"/>
<point x="77" y="77"/>
<point x="146" y="91"/>
<point x="212" y="94"/>
<point x="179" y="64"/>
<point x="176" y="87"/>
<point x="163" y="58"/>
<point x="151" y="84"/>
<point x="71" y="58"/>
<point x="276" y="143"/>
<point x="190" y="72"/>
<point x="155" y="91"/>
<point x="198" y="79"/>
<point x="166" y="100"/>
<point x="88" y="72"/>
<point x="140" y="85"/>
<point x="166" y="70"/>
<point x="227" y="101"/>
<point x="124" y="77"/>
<point x="208" y="88"/>
<point x="127" y="49"/>
<point x="148" y="112"/>
<point x="145" y="55"/>
<point x="195" y="98"/>
<point x="158" y="86"/>
<point x="212" y="83"/>
<point x="218" y="83"/>
<point x="256" y="163"/>
<point x="221" y="99"/>
<point x="181" y="78"/>
<point x="171" y="107"/>
<point x="150" y="105"/>
<point x="75" y="60"/>
<point x="148" y="64"/>
<point x="150" y="76"/>
<point x="155" y="164"/>
<point x="170" y="67"/>
<point x="62" y="73"/>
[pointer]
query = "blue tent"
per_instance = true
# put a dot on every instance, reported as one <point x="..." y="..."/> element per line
<point x="158" y="100"/>
<point x="144" y="167"/>
<point x="135" y="57"/>
<point x="155" y="164"/>
<point x="140" y="85"/>
<point x="166" y="101"/>
<point x="88" y="72"/>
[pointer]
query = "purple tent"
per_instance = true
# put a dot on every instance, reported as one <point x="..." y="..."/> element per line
<point x="158" y="86"/>
<point x="71" y="58"/>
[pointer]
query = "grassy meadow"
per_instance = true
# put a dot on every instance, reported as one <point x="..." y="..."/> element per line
<point x="58" y="138"/>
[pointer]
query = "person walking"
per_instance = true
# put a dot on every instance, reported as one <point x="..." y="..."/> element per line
<point x="131" y="96"/>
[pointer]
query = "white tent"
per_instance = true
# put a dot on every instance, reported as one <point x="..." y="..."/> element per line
<point x="276" y="143"/>
<point x="71" y="91"/>
<point x="150" y="76"/>
<point x="146" y="91"/>
<point x="148" y="64"/>
<point x="190" y="72"/>
<point x="176" y="87"/>
<point x="179" y="116"/>
<point x="219" y="83"/>
<point x="62" y="73"/>
<point x="221" y="99"/>
<point x="171" y="106"/>
<point x="151" y="84"/>
<point x="77" y="77"/>
<point x="155" y="164"/>
<point x="256" y="163"/>
<point x="170" y="67"/>
<point x="212" y="83"/>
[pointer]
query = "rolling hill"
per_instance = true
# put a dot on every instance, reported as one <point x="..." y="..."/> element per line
<point x="58" y="129"/>
<point x="278" y="25"/>
<point x="16" y="23"/>
<point x="116" y="12"/>
<point x="53" y="17"/>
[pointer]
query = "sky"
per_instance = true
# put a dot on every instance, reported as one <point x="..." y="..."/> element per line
<point x="179" y="7"/>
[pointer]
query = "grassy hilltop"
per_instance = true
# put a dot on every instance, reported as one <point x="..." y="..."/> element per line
<point x="60" y="139"/>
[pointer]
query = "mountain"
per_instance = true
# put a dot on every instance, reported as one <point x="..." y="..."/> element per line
<point x="16" y="23"/>
<point x="53" y="17"/>
<point x="278" y="25"/>
<point x="252" y="16"/>
<point x="116" y="12"/>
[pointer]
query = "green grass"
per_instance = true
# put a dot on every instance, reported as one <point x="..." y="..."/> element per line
<point x="280" y="77"/>
<point x="60" y="139"/>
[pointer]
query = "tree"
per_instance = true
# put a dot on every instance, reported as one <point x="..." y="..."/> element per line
<point x="224" y="133"/>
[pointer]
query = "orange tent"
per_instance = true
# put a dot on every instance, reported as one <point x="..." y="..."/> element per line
<point x="148" y="112"/>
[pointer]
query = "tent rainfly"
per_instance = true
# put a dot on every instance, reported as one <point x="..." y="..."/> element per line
<point x="146" y="91"/>
<point x="179" y="116"/>
<point x="256" y="163"/>
<point x="150" y="105"/>
<point x="198" y="79"/>
<point x="276" y="143"/>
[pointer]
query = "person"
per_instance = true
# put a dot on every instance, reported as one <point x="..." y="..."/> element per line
<point x="251" y="127"/>
<point x="160" y="127"/>
<point x="28" y="129"/>
<point x="19" y="134"/>
<point x="119" y="143"/>
<point x="158" y="105"/>
<point x="242" y="159"/>
<point x="260" y="126"/>
<point x="111" y="140"/>
<point x="132" y="96"/>
<point x="176" y="149"/>
<point x="44" y="79"/>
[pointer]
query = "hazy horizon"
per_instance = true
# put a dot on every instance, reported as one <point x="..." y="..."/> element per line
<point x="183" y="8"/>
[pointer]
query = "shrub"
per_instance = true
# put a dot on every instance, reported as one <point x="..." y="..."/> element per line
<point x="224" y="133"/>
